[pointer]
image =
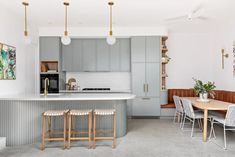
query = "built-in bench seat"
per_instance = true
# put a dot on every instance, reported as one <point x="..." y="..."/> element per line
<point x="221" y="95"/>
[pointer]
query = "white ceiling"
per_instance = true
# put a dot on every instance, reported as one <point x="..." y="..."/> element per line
<point x="127" y="13"/>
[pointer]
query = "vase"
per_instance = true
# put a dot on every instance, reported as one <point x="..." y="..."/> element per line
<point x="203" y="96"/>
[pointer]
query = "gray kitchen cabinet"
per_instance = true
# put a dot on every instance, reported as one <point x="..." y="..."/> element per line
<point x="152" y="46"/>
<point x="138" y="49"/>
<point x="115" y="56"/>
<point x="76" y="55"/>
<point x="125" y="55"/>
<point x="153" y="79"/>
<point x="49" y="48"/>
<point x="145" y="76"/>
<point x="138" y="79"/>
<point x="103" y="61"/>
<point x="89" y="55"/>
<point x="84" y="55"/>
<point x="146" y="107"/>
<point x="67" y="57"/>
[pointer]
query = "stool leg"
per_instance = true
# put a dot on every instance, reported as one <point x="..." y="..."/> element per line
<point x="69" y="133"/>
<point x="49" y="126"/>
<point x="114" y="130"/>
<point x="94" y="131"/>
<point x="90" y="127"/>
<point x="64" y="130"/>
<point x="43" y="131"/>
<point x="73" y="126"/>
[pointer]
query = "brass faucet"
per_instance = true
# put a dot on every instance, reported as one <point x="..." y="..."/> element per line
<point x="46" y="84"/>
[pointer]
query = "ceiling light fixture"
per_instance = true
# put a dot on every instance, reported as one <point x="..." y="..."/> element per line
<point x="111" y="40"/>
<point x="66" y="40"/>
<point x="27" y="39"/>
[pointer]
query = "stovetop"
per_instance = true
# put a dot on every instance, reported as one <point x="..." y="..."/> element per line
<point x="96" y="89"/>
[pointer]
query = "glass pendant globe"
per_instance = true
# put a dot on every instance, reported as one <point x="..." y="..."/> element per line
<point x="66" y="40"/>
<point x="111" y="40"/>
<point x="27" y="40"/>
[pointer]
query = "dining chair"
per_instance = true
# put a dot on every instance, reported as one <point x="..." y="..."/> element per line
<point x="191" y="115"/>
<point x="227" y="121"/>
<point x="179" y="111"/>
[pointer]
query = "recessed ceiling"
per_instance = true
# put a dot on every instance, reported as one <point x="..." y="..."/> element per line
<point x="127" y="13"/>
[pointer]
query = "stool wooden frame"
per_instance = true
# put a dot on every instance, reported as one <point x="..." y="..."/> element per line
<point x="46" y="134"/>
<point x="73" y="132"/>
<point x="95" y="132"/>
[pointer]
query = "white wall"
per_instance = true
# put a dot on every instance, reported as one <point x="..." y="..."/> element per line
<point x="197" y="53"/>
<point x="11" y="33"/>
<point x="191" y="56"/>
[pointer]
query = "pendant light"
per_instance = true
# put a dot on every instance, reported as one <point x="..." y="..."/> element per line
<point x="111" y="40"/>
<point x="27" y="39"/>
<point x="66" y="39"/>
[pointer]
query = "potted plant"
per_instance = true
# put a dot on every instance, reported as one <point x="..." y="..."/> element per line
<point x="203" y="89"/>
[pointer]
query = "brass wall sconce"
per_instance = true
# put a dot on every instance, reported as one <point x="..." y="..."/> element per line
<point x="224" y="55"/>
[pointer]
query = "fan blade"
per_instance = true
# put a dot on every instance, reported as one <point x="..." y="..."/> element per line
<point x="202" y="18"/>
<point x="176" y="18"/>
<point x="197" y="8"/>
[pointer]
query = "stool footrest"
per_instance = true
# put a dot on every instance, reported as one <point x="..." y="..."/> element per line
<point x="104" y="138"/>
<point x="80" y="138"/>
<point x="54" y="139"/>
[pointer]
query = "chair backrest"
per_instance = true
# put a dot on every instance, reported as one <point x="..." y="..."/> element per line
<point x="188" y="108"/>
<point x="178" y="104"/>
<point x="230" y="116"/>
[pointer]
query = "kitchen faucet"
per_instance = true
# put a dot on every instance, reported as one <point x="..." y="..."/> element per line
<point x="46" y="84"/>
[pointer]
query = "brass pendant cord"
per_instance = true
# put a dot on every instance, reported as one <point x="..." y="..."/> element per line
<point x="66" y="18"/>
<point x="111" y="19"/>
<point x="25" y="18"/>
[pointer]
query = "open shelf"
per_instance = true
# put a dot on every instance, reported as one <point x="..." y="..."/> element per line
<point x="163" y="51"/>
<point x="49" y="67"/>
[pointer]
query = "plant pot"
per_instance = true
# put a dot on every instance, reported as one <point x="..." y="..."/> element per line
<point x="203" y="96"/>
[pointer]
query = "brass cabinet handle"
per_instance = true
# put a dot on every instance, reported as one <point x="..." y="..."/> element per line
<point x="144" y="88"/>
<point x="146" y="98"/>
<point x="147" y="87"/>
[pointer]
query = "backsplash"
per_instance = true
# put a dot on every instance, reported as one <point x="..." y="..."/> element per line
<point x="120" y="81"/>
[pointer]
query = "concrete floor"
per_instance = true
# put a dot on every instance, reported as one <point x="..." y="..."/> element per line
<point x="145" y="138"/>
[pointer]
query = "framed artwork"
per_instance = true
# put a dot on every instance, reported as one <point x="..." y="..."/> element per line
<point x="7" y="62"/>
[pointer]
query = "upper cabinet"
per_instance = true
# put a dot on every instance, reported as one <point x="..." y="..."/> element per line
<point x="144" y="49"/>
<point x="89" y="55"/>
<point x="49" y="48"/>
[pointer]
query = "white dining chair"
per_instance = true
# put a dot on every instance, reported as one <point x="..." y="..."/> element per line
<point x="191" y="115"/>
<point x="227" y="121"/>
<point x="179" y="111"/>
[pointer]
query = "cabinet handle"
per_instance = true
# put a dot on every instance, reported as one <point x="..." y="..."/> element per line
<point x="147" y="87"/>
<point x="146" y="98"/>
<point x="144" y="88"/>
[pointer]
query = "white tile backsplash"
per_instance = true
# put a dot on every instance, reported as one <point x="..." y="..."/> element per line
<point x="2" y="142"/>
<point x="120" y="81"/>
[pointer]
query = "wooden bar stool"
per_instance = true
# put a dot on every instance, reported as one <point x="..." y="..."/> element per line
<point x="46" y="134"/>
<point x="98" y="112"/>
<point x="74" y="113"/>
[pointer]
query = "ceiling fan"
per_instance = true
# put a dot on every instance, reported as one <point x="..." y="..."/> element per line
<point x="192" y="15"/>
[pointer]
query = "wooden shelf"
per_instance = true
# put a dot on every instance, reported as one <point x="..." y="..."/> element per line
<point x="164" y="50"/>
<point x="49" y="65"/>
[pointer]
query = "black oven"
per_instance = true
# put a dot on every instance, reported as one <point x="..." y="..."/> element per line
<point x="53" y="86"/>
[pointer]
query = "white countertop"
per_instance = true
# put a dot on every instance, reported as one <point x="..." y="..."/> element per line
<point x="70" y="96"/>
<point x="90" y="91"/>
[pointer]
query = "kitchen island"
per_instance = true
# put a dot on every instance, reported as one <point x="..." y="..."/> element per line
<point x="20" y="115"/>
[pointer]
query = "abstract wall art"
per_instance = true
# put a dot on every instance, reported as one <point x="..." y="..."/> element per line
<point x="7" y="62"/>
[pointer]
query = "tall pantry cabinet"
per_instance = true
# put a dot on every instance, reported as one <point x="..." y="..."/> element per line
<point x="145" y="63"/>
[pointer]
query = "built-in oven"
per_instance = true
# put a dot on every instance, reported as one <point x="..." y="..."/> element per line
<point x="52" y="83"/>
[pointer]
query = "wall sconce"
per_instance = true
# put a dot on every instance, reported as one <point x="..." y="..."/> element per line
<point x="224" y="56"/>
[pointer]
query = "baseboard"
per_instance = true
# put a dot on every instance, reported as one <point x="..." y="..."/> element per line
<point x="145" y="117"/>
<point x="2" y="142"/>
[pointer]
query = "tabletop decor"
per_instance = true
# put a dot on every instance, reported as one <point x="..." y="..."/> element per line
<point x="7" y="62"/>
<point x="203" y="89"/>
